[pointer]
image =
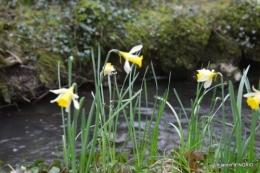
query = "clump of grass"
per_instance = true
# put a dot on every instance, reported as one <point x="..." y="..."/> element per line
<point x="198" y="151"/>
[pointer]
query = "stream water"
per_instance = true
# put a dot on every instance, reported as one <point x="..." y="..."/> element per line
<point x="30" y="132"/>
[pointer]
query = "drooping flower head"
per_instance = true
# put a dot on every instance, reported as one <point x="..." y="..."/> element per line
<point x="65" y="96"/>
<point x="132" y="58"/>
<point x="206" y="76"/>
<point x="253" y="99"/>
<point x="109" y="69"/>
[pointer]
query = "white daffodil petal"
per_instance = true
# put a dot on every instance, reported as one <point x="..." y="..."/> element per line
<point x="203" y="78"/>
<point x="52" y="101"/>
<point x="58" y="91"/>
<point x="136" y="49"/>
<point x="249" y="95"/>
<point x="255" y="90"/>
<point x="208" y="72"/>
<point x="127" y="67"/>
<point x="202" y="70"/>
<point x="59" y="96"/>
<point x="75" y="96"/>
<point x="207" y="83"/>
<point x="76" y="103"/>
<point x="68" y="107"/>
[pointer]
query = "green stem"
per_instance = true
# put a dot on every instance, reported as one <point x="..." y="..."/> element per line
<point x="251" y="155"/>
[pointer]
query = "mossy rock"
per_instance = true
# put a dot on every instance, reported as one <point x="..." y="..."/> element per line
<point x="183" y="42"/>
<point x="4" y="90"/>
<point x="47" y="67"/>
<point x="27" y="82"/>
<point x="2" y="61"/>
<point x="221" y="50"/>
<point x="241" y="21"/>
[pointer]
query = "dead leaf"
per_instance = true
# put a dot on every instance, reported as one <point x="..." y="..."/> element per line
<point x="193" y="157"/>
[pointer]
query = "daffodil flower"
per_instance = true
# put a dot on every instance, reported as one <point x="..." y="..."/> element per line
<point x="206" y="76"/>
<point x="132" y="58"/>
<point x="65" y="96"/>
<point x="253" y="98"/>
<point x="109" y="69"/>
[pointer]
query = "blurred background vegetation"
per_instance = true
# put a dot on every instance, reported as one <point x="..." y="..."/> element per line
<point x="177" y="35"/>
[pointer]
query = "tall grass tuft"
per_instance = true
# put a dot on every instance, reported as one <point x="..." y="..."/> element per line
<point x="97" y="132"/>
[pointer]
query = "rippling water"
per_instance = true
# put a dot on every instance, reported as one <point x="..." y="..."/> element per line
<point x="34" y="131"/>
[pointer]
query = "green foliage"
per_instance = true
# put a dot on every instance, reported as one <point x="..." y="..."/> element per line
<point x="101" y="22"/>
<point x="241" y="22"/>
<point x="176" y="35"/>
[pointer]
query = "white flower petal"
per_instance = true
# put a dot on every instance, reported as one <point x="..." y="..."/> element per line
<point x="207" y="83"/>
<point x="249" y="95"/>
<point x="75" y="96"/>
<point x="203" y="78"/>
<point x="206" y="72"/>
<point x="76" y="104"/>
<point x="136" y="49"/>
<point x="127" y="67"/>
<point x="58" y="91"/>
<point x="255" y="90"/>
<point x="52" y="101"/>
<point x="201" y="71"/>
<point x="68" y="107"/>
<point x="59" y="96"/>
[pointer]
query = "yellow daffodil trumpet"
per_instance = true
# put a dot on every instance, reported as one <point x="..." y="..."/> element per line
<point x="253" y="99"/>
<point x="65" y="96"/>
<point x="109" y="69"/>
<point x="132" y="58"/>
<point x="206" y="76"/>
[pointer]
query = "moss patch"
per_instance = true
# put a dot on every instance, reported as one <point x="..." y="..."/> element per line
<point x="47" y="67"/>
<point x="221" y="49"/>
<point x="4" y="90"/>
<point x="2" y="61"/>
<point x="184" y="40"/>
<point x="241" y="22"/>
